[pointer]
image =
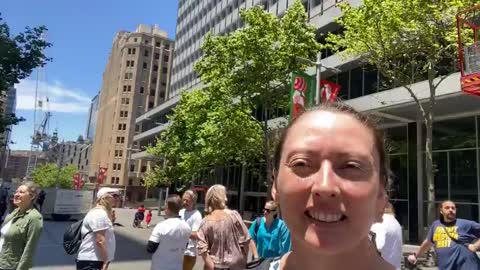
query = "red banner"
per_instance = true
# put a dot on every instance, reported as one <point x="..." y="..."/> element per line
<point x="329" y="91"/>
<point x="77" y="182"/>
<point x="101" y="175"/>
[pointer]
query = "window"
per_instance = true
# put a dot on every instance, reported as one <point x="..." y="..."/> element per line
<point x="167" y="46"/>
<point x="132" y="167"/>
<point x="124" y="88"/>
<point x="157" y="56"/>
<point x="131" y="51"/>
<point x="119" y="166"/>
<point x="123" y="113"/>
<point x="157" y="44"/>
<point x="154" y="80"/>
<point x="130" y="63"/>
<point x="144" y="65"/>
<point x="142" y="89"/>
<point x="117" y="180"/>
<point x="122" y="126"/>
<point x="128" y="75"/>
<point x="118" y="153"/>
<point x="165" y="70"/>
<point x="147" y="41"/>
<point x="150" y="105"/>
<point x="135" y="40"/>
<point x="165" y="58"/>
<point x="122" y="139"/>
<point x="125" y="101"/>
<point x="130" y="181"/>
<point x="134" y="50"/>
<point x="118" y="139"/>
<point x="113" y="178"/>
<point x="143" y="169"/>
<point x="155" y="68"/>
<point x="129" y="88"/>
<point x="152" y="92"/>
<point x="145" y="53"/>
<point x="164" y="84"/>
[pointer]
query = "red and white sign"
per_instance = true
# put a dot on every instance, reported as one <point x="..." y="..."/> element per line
<point x="77" y="181"/>
<point x="328" y="91"/>
<point x="101" y="175"/>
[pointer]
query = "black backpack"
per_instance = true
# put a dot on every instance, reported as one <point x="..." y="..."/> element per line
<point x="72" y="238"/>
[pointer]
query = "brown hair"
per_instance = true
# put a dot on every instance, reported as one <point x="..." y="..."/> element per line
<point x="341" y="108"/>
<point x="174" y="204"/>
<point x="33" y="189"/>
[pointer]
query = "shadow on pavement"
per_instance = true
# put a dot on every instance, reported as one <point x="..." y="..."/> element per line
<point x="130" y="245"/>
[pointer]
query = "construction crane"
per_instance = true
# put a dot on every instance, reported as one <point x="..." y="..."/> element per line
<point x="41" y="139"/>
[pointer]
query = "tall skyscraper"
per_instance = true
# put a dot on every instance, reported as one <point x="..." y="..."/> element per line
<point x="92" y="119"/>
<point x="135" y="80"/>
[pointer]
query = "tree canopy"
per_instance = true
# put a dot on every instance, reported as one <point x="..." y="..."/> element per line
<point x="244" y="71"/>
<point x="49" y="175"/>
<point x="19" y="55"/>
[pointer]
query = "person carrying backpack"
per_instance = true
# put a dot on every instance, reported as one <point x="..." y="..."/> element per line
<point x="269" y="233"/>
<point x="97" y="248"/>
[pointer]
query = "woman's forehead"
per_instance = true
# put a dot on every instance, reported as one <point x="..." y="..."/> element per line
<point x="329" y="124"/>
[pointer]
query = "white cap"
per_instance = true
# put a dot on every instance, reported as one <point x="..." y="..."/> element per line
<point x="107" y="190"/>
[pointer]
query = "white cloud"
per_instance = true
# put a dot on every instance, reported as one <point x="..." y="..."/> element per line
<point x="61" y="98"/>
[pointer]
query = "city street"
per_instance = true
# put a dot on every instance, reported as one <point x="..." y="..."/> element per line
<point x="131" y="245"/>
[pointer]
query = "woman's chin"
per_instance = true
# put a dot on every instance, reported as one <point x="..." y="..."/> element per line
<point x="327" y="244"/>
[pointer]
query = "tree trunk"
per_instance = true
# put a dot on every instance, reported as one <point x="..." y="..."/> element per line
<point x="431" y="211"/>
<point x="266" y="149"/>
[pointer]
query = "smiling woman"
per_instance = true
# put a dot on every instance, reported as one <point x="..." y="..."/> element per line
<point x="330" y="177"/>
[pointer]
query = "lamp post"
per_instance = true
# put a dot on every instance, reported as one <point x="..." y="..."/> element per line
<point x="129" y="158"/>
<point x="318" y="67"/>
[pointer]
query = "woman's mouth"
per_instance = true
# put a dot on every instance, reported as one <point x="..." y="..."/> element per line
<point x="325" y="217"/>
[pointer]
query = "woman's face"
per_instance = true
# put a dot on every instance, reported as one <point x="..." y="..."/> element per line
<point x="328" y="182"/>
<point x="22" y="198"/>
<point x="269" y="210"/>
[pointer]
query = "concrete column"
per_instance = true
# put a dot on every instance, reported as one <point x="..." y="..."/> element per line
<point x="420" y="158"/>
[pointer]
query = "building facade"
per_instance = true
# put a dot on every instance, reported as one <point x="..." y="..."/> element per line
<point x="456" y="127"/>
<point x="8" y="104"/>
<point x="92" y="119"/>
<point x="16" y="165"/>
<point x="135" y="81"/>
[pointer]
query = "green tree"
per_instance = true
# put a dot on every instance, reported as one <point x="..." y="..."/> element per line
<point x="19" y="55"/>
<point x="207" y="129"/>
<point x="49" y="175"/>
<point x="408" y="41"/>
<point x="254" y="63"/>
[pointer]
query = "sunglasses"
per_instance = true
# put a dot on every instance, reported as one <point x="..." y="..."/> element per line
<point x="269" y="210"/>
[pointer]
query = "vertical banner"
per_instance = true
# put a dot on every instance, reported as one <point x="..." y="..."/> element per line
<point x="76" y="181"/>
<point x="101" y="175"/>
<point x="302" y="93"/>
<point x="329" y="91"/>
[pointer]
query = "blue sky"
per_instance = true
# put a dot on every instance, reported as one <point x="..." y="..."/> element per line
<point x="82" y="33"/>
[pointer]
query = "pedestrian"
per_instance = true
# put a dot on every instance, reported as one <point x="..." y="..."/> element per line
<point x="330" y="181"/>
<point x="21" y="229"/>
<point x="223" y="239"/>
<point x="193" y="217"/>
<point x="388" y="237"/>
<point x="114" y="216"/>
<point x="169" y="238"/>
<point x="270" y="235"/>
<point x="97" y="249"/>
<point x="3" y="201"/>
<point x="139" y="216"/>
<point x="455" y="240"/>
<point x="149" y="218"/>
<point x="41" y="200"/>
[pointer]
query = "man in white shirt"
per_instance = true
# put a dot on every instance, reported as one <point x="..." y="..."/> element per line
<point x="169" y="238"/>
<point x="193" y="217"/>
<point x="388" y="237"/>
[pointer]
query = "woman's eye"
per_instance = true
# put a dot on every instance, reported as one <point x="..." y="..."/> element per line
<point x="298" y="163"/>
<point x="352" y="165"/>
